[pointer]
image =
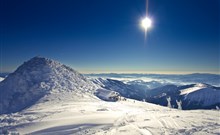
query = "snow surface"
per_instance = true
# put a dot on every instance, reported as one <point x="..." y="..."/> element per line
<point x="80" y="116"/>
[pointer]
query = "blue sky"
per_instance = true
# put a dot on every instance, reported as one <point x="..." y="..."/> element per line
<point x="106" y="36"/>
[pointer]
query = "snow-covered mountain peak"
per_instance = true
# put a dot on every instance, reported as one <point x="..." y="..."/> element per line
<point x="44" y="71"/>
<point x="39" y="77"/>
<point x="41" y="64"/>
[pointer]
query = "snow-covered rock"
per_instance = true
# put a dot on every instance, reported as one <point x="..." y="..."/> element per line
<point x="107" y="95"/>
<point x="35" y="79"/>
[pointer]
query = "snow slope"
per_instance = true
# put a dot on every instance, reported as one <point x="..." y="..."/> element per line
<point x="37" y="78"/>
<point x="85" y="117"/>
<point x="1" y="79"/>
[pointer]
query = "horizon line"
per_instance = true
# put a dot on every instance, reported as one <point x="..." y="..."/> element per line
<point x="160" y="72"/>
<point x="135" y="72"/>
<point x="147" y="72"/>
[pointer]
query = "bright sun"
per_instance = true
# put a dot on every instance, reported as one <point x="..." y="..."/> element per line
<point x="146" y="23"/>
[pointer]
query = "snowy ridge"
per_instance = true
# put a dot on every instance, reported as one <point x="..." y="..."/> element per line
<point x="1" y="79"/>
<point x="202" y="95"/>
<point x="35" y="79"/>
<point x="192" y="89"/>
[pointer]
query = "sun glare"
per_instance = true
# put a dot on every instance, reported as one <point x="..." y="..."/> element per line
<point x="146" y="23"/>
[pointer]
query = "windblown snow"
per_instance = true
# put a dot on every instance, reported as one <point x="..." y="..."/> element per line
<point x="45" y="97"/>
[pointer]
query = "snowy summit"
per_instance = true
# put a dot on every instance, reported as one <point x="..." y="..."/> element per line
<point x="37" y="78"/>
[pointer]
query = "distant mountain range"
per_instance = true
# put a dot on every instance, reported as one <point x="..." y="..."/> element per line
<point x="212" y="79"/>
<point x="194" y="96"/>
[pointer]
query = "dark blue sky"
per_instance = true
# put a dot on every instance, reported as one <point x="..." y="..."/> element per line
<point x="106" y="36"/>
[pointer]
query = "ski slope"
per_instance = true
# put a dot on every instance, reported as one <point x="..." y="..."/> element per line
<point x="88" y="115"/>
